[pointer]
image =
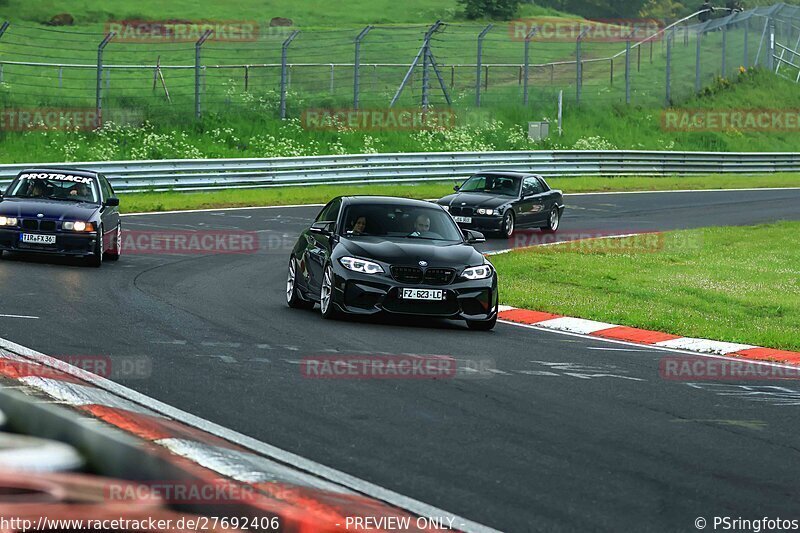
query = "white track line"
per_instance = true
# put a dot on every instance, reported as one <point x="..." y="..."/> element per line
<point x="18" y="316"/>
<point x="364" y="487"/>
<point x="565" y="194"/>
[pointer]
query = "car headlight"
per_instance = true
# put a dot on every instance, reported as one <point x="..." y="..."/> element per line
<point x="478" y="272"/>
<point x="361" y="265"/>
<point x="8" y="221"/>
<point x="78" y="226"/>
<point x="493" y="212"/>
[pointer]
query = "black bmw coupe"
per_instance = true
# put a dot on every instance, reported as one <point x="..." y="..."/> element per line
<point x="501" y="202"/>
<point x="369" y="254"/>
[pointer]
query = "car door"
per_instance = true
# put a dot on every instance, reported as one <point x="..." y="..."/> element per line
<point x="109" y="214"/>
<point x="551" y="197"/>
<point x="531" y="204"/>
<point x="318" y="243"/>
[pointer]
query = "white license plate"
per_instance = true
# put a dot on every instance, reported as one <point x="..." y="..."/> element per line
<point x="422" y="294"/>
<point x="38" y="239"/>
<point x="463" y="220"/>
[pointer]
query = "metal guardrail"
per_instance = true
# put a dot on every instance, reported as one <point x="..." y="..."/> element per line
<point x="212" y="174"/>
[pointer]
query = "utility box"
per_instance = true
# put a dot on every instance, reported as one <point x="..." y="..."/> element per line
<point x="538" y="130"/>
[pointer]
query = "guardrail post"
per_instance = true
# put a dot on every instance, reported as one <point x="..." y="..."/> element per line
<point x="528" y="38"/>
<point x="579" y="65"/>
<point x="724" y="49"/>
<point x="669" y="68"/>
<point x="357" y="66"/>
<point x="479" y="59"/>
<point x="99" y="93"/>
<point x="198" y="71"/>
<point x="284" y="70"/>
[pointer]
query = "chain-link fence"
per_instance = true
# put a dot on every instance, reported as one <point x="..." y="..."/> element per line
<point x="117" y="75"/>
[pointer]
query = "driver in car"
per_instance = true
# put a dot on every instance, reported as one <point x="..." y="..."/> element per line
<point x="359" y="226"/>
<point x="422" y="227"/>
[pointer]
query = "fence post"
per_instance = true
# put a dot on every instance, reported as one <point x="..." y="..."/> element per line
<point x="528" y="38"/>
<point x="99" y="95"/>
<point x="3" y="29"/>
<point x="481" y="35"/>
<point x="771" y="46"/>
<point x="423" y="50"/>
<point x="724" y="47"/>
<point x="579" y="65"/>
<point x="198" y="71"/>
<point x="697" y="80"/>
<point x="746" y="63"/>
<point x="357" y="66"/>
<point x="628" y="68"/>
<point x="669" y="68"/>
<point x="284" y="73"/>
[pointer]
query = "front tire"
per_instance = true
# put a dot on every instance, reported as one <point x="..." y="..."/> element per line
<point x="293" y="298"/>
<point x="509" y="225"/>
<point x="326" y="304"/>
<point x="115" y="255"/>
<point x="553" y="221"/>
<point x="96" y="260"/>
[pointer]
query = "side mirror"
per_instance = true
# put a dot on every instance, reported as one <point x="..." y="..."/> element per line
<point x="323" y="228"/>
<point x="1" y="195"/>
<point x="112" y="202"/>
<point x="456" y="187"/>
<point x="473" y="237"/>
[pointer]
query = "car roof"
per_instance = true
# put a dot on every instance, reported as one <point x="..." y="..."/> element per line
<point x="48" y="170"/>
<point x="366" y="200"/>
<point x="507" y="173"/>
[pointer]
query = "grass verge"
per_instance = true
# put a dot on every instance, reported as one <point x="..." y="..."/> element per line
<point x="170" y="201"/>
<point x="737" y="284"/>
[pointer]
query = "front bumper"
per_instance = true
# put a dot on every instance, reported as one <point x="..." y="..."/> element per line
<point x="362" y="294"/>
<point x="67" y="243"/>
<point x="483" y="223"/>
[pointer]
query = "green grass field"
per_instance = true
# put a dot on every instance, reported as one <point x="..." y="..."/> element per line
<point x="736" y="284"/>
<point x="169" y="201"/>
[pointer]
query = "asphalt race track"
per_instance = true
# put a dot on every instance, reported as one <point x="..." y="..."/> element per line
<point x="564" y="432"/>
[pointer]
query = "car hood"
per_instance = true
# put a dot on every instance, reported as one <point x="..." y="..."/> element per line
<point x="473" y="199"/>
<point x="51" y="209"/>
<point x="410" y="252"/>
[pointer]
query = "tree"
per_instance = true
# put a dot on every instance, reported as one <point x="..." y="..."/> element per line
<point x="491" y="9"/>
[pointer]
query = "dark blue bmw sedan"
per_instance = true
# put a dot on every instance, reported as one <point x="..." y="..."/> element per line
<point x="61" y="211"/>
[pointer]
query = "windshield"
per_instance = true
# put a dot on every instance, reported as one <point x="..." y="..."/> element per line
<point x="400" y="221"/>
<point x="55" y="186"/>
<point x="500" y="185"/>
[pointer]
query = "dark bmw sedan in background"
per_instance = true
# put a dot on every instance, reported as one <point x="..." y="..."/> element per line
<point x="61" y="211"/>
<point x="369" y="254"/>
<point x="501" y="202"/>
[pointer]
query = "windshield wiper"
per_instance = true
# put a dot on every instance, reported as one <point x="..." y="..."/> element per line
<point x="65" y="198"/>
